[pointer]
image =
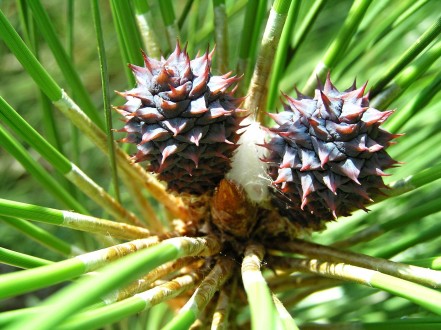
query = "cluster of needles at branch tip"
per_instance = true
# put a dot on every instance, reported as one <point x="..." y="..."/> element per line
<point x="223" y="192"/>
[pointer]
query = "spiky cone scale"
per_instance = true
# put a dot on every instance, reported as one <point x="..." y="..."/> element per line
<point x="327" y="155"/>
<point x="183" y="120"/>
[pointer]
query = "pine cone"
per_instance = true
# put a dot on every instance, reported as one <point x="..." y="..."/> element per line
<point x="183" y="120"/>
<point x="327" y="155"/>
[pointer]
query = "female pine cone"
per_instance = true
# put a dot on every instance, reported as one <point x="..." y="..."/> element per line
<point x="182" y="120"/>
<point x="327" y="155"/>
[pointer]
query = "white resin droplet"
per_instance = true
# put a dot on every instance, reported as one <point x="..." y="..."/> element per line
<point x="247" y="169"/>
